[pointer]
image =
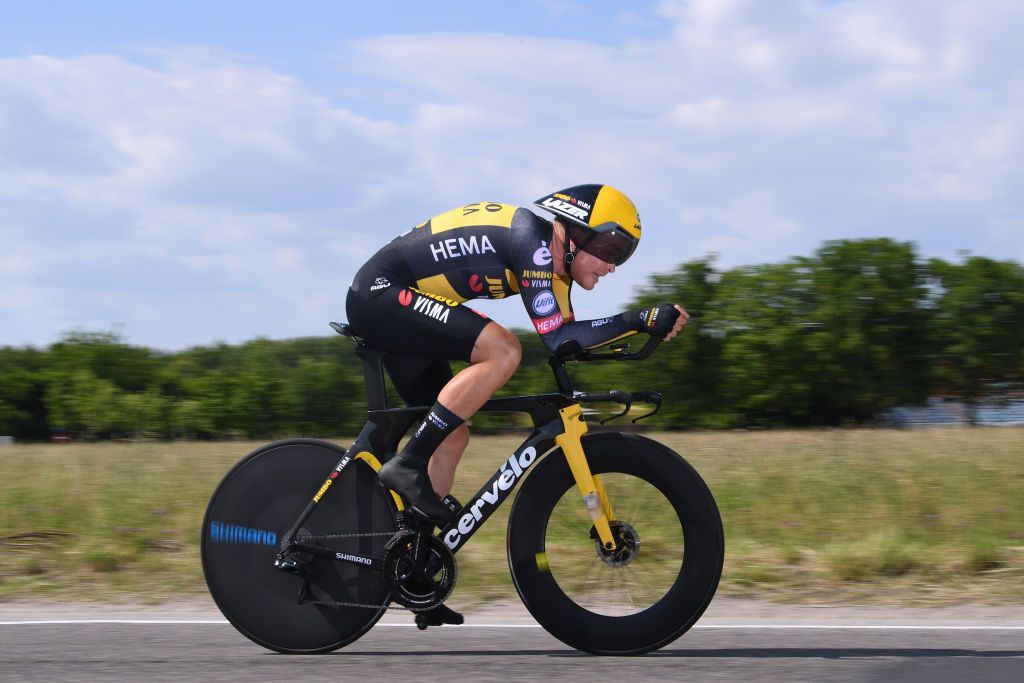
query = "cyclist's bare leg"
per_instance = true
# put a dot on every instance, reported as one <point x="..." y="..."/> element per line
<point x="445" y="459"/>
<point x="495" y="358"/>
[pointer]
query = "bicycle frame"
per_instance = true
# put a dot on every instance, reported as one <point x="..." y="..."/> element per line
<point x="557" y="419"/>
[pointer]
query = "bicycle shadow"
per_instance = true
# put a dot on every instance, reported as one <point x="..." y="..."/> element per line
<point x="722" y="653"/>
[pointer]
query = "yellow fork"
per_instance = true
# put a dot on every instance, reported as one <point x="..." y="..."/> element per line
<point x="590" y="486"/>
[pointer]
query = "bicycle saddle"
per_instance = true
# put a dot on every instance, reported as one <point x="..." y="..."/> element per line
<point x="346" y="329"/>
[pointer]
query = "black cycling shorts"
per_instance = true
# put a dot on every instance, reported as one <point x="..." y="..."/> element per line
<point x="420" y="331"/>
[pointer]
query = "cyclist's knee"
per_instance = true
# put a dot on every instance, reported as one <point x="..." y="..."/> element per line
<point x="509" y="355"/>
<point x="500" y="347"/>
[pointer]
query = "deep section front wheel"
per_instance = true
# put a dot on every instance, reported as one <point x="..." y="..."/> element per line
<point x="666" y="565"/>
<point x="249" y="514"/>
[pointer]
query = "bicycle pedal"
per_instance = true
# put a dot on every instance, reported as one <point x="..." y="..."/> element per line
<point x="439" y="615"/>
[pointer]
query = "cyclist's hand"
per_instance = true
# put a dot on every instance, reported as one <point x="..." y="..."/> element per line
<point x="680" y="321"/>
<point x="663" y="320"/>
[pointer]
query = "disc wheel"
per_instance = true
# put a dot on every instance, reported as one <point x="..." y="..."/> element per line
<point x="666" y="565"/>
<point x="246" y="521"/>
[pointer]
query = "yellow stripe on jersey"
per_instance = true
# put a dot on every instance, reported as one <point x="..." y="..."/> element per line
<point x="438" y="284"/>
<point x="615" y="339"/>
<point x="481" y="213"/>
<point x="560" y="286"/>
<point x="512" y="280"/>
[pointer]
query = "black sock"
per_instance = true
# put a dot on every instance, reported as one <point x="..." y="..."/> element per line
<point x="435" y="428"/>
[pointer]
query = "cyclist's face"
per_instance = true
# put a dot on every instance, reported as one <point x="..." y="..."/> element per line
<point x="587" y="268"/>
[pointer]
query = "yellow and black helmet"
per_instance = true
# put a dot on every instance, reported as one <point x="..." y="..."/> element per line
<point x="601" y="220"/>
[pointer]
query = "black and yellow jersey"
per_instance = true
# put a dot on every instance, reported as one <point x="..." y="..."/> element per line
<point x="490" y="250"/>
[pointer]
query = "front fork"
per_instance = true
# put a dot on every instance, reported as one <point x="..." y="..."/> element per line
<point x="589" y="484"/>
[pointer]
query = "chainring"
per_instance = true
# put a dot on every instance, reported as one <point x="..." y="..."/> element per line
<point x="418" y="586"/>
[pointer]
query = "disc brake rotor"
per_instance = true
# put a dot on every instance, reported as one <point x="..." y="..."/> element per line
<point x="627" y="545"/>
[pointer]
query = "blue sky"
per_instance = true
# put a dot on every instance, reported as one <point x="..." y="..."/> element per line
<point x="218" y="171"/>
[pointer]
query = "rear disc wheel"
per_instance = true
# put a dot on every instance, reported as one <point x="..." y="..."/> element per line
<point x="246" y="521"/>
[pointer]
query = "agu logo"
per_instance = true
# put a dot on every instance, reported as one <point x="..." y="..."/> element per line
<point x="405" y="297"/>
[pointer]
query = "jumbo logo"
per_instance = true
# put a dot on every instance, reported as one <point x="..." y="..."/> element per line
<point x="323" y="489"/>
<point x="496" y="287"/>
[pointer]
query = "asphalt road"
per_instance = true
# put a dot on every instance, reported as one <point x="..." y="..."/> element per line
<point x="209" y="650"/>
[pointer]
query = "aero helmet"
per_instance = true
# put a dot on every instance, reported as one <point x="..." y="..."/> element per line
<point x="600" y="220"/>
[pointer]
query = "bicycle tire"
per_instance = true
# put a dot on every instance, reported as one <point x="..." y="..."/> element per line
<point x="249" y="514"/>
<point x="546" y="592"/>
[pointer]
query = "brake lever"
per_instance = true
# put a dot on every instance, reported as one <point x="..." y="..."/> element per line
<point x="648" y="397"/>
<point x="624" y="398"/>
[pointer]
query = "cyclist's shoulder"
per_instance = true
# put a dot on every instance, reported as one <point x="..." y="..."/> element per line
<point x="480" y="215"/>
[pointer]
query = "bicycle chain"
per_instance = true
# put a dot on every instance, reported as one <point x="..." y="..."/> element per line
<point x="371" y="533"/>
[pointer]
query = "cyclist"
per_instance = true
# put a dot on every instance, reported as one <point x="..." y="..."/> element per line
<point x="408" y="300"/>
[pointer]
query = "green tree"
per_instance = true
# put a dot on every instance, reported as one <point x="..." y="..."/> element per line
<point x="978" y="327"/>
<point x="872" y="349"/>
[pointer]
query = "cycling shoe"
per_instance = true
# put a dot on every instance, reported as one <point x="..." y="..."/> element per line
<point x="438" y="616"/>
<point x="408" y="476"/>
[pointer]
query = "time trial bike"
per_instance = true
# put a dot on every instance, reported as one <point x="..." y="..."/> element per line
<point x="615" y="543"/>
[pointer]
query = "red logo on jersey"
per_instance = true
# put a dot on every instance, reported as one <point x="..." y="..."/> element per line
<point x="548" y="324"/>
<point x="475" y="284"/>
<point x="526" y="283"/>
<point x="478" y="313"/>
<point x="405" y="297"/>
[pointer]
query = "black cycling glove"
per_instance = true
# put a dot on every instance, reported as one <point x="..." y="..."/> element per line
<point x="657" y="321"/>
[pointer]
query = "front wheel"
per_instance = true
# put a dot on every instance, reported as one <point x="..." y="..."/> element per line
<point x="668" y="560"/>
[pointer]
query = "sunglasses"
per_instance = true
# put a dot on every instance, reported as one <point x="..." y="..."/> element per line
<point x="608" y="242"/>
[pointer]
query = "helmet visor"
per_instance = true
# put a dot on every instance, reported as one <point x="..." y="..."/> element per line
<point x="608" y="242"/>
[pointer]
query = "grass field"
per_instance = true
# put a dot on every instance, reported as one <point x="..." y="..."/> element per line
<point x="859" y="516"/>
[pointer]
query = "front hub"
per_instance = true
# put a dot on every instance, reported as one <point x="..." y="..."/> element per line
<point x="627" y="544"/>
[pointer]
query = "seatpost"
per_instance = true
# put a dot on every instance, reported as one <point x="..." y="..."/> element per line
<point x="561" y="376"/>
<point x="373" y="377"/>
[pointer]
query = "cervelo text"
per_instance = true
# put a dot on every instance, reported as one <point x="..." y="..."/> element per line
<point x="510" y="473"/>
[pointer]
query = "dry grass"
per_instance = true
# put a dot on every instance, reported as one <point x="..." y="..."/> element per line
<point x="911" y="517"/>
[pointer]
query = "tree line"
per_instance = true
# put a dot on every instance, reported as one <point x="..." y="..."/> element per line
<point x="834" y="338"/>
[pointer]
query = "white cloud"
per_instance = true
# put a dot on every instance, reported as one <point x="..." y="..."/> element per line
<point x="205" y="183"/>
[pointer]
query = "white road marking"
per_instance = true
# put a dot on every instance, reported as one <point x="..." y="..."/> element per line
<point x="812" y="627"/>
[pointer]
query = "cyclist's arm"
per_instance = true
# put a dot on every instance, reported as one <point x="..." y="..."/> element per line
<point x="550" y="310"/>
<point x="591" y="333"/>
